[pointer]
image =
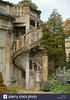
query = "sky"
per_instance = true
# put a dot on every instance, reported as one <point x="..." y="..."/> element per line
<point x="47" y="6"/>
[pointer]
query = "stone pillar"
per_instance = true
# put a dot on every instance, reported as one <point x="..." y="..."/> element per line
<point x="32" y="80"/>
<point x="28" y="24"/>
<point x="20" y="11"/>
<point x="7" y="59"/>
<point x="45" y="67"/>
<point x="35" y="23"/>
<point x="33" y="66"/>
<point x="67" y="56"/>
<point x="29" y="38"/>
<point x="37" y="80"/>
<point x="22" y="41"/>
<point x="27" y="73"/>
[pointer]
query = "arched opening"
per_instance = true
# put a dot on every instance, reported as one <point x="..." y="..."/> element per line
<point x="23" y="74"/>
<point x="35" y="67"/>
<point x="30" y="64"/>
<point x="20" y="31"/>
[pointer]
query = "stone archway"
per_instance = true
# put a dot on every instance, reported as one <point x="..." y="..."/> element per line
<point x="34" y="75"/>
<point x="23" y="74"/>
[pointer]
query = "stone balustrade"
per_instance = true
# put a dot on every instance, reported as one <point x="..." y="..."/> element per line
<point x="27" y="39"/>
<point x="19" y="10"/>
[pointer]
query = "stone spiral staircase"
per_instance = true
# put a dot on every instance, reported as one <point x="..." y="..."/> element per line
<point x="25" y="43"/>
<point x="21" y="48"/>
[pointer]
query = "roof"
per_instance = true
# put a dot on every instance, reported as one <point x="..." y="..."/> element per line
<point x="6" y="2"/>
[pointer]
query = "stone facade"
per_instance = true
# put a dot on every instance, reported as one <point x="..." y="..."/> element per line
<point x="67" y="48"/>
<point x="22" y="60"/>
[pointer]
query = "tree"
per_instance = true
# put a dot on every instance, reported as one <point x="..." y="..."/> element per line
<point x="33" y="5"/>
<point x="53" y="38"/>
<point x="66" y="26"/>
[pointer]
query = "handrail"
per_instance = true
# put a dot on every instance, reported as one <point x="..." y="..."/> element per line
<point x="29" y="32"/>
<point x="27" y="39"/>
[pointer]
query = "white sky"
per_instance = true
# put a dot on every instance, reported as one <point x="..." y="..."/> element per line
<point x="47" y="6"/>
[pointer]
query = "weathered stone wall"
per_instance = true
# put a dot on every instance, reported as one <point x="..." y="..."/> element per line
<point x="41" y="74"/>
<point x="5" y="48"/>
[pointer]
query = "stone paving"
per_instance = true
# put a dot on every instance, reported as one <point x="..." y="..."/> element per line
<point x="28" y="91"/>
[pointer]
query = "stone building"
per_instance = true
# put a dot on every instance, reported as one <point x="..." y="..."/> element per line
<point x="22" y="59"/>
<point x="67" y="48"/>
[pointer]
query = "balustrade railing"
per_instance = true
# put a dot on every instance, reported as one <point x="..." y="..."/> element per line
<point x="19" y="10"/>
<point x="27" y="39"/>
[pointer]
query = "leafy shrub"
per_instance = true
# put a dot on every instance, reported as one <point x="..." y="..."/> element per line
<point x="50" y="77"/>
<point x="46" y="86"/>
<point x="62" y="75"/>
<point x="55" y="86"/>
<point x="61" y="88"/>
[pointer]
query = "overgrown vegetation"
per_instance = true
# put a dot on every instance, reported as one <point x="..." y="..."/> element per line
<point x="58" y="83"/>
<point x="29" y="2"/>
<point x="55" y="86"/>
<point x="62" y="75"/>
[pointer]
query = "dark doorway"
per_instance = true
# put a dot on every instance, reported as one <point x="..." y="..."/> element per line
<point x="23" y="74"/>
<point x="35" y="67"/>
<point x="20" y="31"/>
<point x="30" y="64"/>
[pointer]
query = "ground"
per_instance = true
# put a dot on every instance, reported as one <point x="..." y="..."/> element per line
<point x="28" y="91"/>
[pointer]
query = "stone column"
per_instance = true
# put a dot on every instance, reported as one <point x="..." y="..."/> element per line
<point x="7" y="59"/>
<point x="27" y="23"/>
<point x="17" y="11"/>
<point x="27" y="72"/>
<point x="32" y="66"/>
<point x="67" y="56"/>
<point x="22" y="41"/>
<point x="37" y="80"/>
<point x="35" y="23"/>
<point x="45" y="67"/>
<point x="20" y="11"/>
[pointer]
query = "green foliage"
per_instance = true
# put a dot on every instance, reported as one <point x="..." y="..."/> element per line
<point x="61" y="88"/>
<point x="53" y="40"/>
<point x="46" y="86"/>
<point x="53" y="35"/>
<point x="55" y="86"/>
<point x="67" y="64"/>
<point x="62" y="75"/>
<point x="13" y="90"/>
<point x="33" y="5"/>
<point x="50" y="77"/>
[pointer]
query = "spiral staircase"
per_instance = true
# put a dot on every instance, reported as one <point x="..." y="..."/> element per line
<point x="22" y="47"/>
